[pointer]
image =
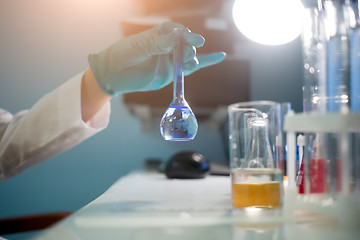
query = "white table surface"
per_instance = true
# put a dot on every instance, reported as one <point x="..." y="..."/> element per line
<point x="146" y="205"/>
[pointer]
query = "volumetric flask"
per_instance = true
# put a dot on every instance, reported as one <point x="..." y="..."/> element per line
<point x="179" y="122"/>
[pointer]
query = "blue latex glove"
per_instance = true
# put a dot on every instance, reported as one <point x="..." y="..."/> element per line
<point x="143" y="62"/>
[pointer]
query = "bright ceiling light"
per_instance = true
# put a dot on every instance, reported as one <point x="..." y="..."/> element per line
<point x="269" y="22"/>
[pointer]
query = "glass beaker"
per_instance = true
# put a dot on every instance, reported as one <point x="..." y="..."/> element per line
<point x="255" y="130"/>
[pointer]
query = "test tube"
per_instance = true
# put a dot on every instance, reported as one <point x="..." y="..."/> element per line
<point x="337" y="55"/>
<point x="354" y="33"/>
<point x="314" y="88"/>
<point x="354" y="39"/>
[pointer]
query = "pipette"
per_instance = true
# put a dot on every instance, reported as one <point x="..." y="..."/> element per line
<point x="179" y="122"/>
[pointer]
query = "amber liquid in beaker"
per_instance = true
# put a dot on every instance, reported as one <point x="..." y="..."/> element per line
<point x="260" y="188"/>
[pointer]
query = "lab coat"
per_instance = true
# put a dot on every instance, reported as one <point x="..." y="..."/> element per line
<point x="50" y="127"/>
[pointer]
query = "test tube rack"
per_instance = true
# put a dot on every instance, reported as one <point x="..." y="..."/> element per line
<point x="344" y="207"/>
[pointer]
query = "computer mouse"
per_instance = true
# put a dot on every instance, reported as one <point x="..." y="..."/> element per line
<point x="187" y="165"/>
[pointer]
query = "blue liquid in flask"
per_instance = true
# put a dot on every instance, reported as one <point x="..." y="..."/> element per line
<point x="178" y="124"/>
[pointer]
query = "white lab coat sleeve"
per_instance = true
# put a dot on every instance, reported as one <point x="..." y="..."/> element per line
<point x="50" y="127"/>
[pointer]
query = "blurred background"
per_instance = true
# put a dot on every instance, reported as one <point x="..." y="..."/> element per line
<point x="43" y="43"/>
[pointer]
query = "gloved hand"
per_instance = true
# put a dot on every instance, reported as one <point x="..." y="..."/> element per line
<point x="143" y="62"/>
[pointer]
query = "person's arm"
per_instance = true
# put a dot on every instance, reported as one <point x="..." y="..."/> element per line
<point x="80" y="107"/>
<point x="53" y="125"/>
<point x="92" y="97"/>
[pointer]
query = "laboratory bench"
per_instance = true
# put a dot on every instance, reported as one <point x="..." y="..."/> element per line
<point x="147" y="205"/>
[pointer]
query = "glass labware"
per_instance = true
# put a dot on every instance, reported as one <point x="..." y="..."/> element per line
<point x="179" y="122"/>
<point x="257" y="183"/>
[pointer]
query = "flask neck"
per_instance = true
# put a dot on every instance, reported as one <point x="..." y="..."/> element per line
<point x="178" y="64"/>
<point x="178" y="85"/>
<point x="258" y="154"/>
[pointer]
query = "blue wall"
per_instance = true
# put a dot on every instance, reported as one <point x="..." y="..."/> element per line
<point x="44" y="43"/>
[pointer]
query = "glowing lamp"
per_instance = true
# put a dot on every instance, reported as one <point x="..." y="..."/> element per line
<point x="269" y="22"/>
